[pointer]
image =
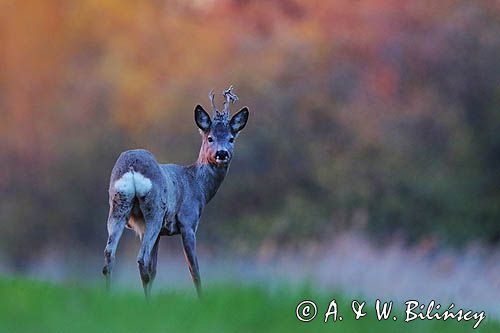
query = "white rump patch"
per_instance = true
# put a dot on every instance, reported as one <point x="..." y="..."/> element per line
<point x="133" y="183"/>
<point x="126" y="184"/>
<point x="142" y="184"/>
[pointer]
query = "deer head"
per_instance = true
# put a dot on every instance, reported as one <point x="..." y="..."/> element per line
<point x="219" y="133"/>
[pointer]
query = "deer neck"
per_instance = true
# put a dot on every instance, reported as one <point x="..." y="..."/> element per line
<point x="209" y="176"/>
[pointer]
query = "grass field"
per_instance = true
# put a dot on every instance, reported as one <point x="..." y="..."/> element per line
<point x="31" y="306"/>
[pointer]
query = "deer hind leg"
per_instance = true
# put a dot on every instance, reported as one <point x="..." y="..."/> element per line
<point x="119" y="213"/>
<point x="152" y="264"/>
<point x="153" y="218"/>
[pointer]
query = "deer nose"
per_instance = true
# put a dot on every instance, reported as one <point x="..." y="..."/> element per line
<point x="222" y="155"/>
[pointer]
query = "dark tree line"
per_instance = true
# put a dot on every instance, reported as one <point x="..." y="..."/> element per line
<point x="385" y="120"/>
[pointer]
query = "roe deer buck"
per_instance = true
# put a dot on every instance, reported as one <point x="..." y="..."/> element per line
<point x="167" y="199"/>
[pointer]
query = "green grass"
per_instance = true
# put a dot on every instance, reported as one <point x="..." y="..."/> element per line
<point x="30" y="306"/>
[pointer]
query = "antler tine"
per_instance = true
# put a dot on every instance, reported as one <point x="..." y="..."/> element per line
<point x="211" y="96"/>
<point x="229" y="97"/>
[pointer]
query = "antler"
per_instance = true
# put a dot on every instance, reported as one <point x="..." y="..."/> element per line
<point x="211" y="96"/>
<point x="229" y="97"/>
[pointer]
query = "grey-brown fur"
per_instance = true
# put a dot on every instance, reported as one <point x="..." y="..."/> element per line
<point x="168" y="199"/>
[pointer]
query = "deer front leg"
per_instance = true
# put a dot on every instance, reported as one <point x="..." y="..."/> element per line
<point x="189" y="244"/>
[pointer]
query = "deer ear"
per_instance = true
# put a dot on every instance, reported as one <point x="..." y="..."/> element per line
<point x="202" y="118"/>
<point x="239" y="120"/>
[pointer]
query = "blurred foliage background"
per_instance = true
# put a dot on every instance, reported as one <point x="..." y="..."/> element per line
<point x="378" y="115"/>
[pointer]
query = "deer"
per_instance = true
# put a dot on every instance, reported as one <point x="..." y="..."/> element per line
<point x="157" y="200"/>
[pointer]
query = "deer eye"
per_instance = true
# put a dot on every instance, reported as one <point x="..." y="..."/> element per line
<point x="210" y="139"/>
<point x="231" y="140"/>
